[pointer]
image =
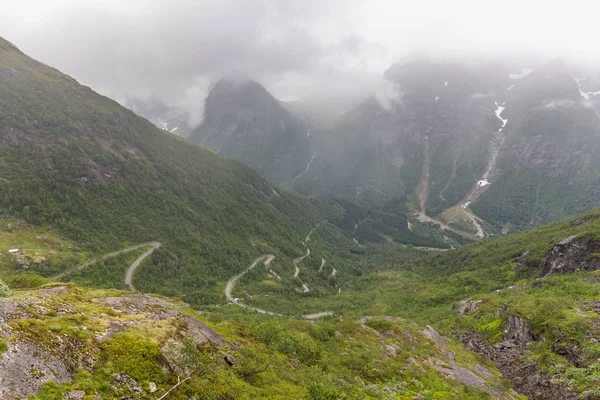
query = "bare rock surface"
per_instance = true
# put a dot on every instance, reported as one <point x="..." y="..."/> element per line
<point x="25" y="367"/>
<point x="432" y="334"/>
<point x="526" y="377"/>
<point x="33" y="360"/>
<point x="572" y="254"/>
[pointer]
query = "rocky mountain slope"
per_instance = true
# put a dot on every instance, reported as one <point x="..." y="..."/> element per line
<point x="245" y="122"/>
<point x="481" y="146"/>
<point x="526" y="301"/>
<point x="513" y="145"/>
<point x="74" y="343"/>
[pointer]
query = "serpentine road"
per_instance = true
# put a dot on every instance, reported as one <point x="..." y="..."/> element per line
<point x="236" y="301"/>
<point x="136" y="263"/>
<point x="130" y="271"/>
<point x="232" y="281"/>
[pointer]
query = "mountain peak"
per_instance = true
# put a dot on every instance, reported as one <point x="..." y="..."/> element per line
<point x="240" y="114"/>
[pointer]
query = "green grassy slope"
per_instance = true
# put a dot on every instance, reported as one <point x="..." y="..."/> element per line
<point x="109" y="344"/>
<point x="505" y="277"/>
<point x="103" y="177"/>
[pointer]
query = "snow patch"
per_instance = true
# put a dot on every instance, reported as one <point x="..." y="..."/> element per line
<point x="483" y="182"/>
<point x="437" y="98"/>
<point x="509" y="88"/>
<point x="524" y="72"/>
<point x="498" y="112"/>
<point x="445" y="83"/>
<point x="344" y="112"/>
<point x="585" y="95"/>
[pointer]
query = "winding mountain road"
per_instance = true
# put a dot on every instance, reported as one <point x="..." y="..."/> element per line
<point x="322" y="264"/>
<point x="299" y="259"/>
<point x="234" y="300"/>
<point x="231" y="283"/>
<point x="268" y="259"/>
<point x="136" y="263"/>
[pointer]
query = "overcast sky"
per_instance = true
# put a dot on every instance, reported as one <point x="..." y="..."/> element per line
<point x="174" y="49"/>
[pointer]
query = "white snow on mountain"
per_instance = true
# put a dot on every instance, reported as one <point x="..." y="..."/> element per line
<point x="524" y="72"/>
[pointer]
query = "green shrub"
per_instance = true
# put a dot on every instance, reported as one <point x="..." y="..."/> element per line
<point x="3" y="348"/>
<point x="139" y="358"/>
<point x="26" y="281"/>
<point x="4" y="290"/>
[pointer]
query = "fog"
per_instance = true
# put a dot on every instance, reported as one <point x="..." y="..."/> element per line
<point x="173" y="50"/>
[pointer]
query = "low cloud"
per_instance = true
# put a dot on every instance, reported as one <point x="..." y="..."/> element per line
<point x="172" y="51"/>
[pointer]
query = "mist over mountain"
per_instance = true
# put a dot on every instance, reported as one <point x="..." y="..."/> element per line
<point x="299" y="200"/>
<point x="167" y="118"/>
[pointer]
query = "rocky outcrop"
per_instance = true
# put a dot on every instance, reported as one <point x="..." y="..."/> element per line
<point x="35" y="355"/>
<point x="525" y="375"/>
<point x="572" y="254"/>
<point x="122" y="381"/>
<point x="26" y="366"/>
<point x="464" y="307"/>
<point x="583" y="220"/>
<point x="432" y="334"/>
<point x="445" y="361"/>
<point x="515" y="328"/>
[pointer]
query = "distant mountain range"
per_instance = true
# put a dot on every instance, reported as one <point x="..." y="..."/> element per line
<point x="483" y="147"/>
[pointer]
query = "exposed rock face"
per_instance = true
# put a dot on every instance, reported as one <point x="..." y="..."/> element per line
<point x="26" y="366"/>
<point x="525" y="376"/>
<point x="124" y="381"/>
<point x="230" y="360"/>
<point x="468" y="377"/>
<point x="75" y="395"/>
<point x="580" y="221"/>
<point x="30" y="362"/>
<point x="432" y="334"/>
<point x="572" y="254"/>
<point x="515" y="328"/>
<point x="464" y="307"/>
<point x="446" y="362"/>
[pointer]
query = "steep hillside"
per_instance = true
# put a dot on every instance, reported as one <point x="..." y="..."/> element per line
<point x="104" y="177"/>
<point x="68" y="342"/>
<point x="548" y="165"/>
<point x="468" y="143"/>
<point x="527" y="301"/>
<point x="245" y="122"/>
<point x="106" y="180"/>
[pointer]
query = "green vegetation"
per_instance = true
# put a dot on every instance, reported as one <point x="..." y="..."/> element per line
<point x="258" y="357"/>
<point x="4" y="290"/>
<point x="108" y="273"/>
<point x="78" y="164"/>
<point x="81" y="177"/>
<point x="103" y="178"/>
